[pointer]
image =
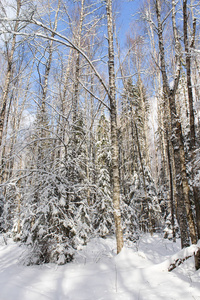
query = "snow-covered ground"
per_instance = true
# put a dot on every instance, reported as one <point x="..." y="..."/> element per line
<point x="97" y="273"/>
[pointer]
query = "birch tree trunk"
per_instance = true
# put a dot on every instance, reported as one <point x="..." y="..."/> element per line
<point x="43" y="133"/>
<point x="8" y="74"/>
<point x="77" y="73"/>
<point x="114" y="138"/>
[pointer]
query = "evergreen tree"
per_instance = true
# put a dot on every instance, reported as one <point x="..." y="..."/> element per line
<point x="47" y="220"/>
<point x="55" y="214"/>
<point x="103" y="216"/>
<point x="140" y="196"/>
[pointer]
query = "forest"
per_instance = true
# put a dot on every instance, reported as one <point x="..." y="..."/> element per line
<point x="99" y="128"/>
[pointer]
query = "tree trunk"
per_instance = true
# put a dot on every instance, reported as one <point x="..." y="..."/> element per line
<point x="114" y="138"/>
<point x="192" y="124"/>
<point x="8" y="75"/>
<point x="189" y="82"/>
<point x="176" y="132"/>
<point x="171" y="188"/>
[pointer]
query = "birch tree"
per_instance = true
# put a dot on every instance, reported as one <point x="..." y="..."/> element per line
<point x="10" y="55"/>
<point x="114" y="138"/>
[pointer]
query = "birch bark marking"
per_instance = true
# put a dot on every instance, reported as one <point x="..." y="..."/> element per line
<point x="114" y="140"/>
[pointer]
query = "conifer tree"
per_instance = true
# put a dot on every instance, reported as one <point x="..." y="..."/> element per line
<point x="141" y="195"/>
<point x="103" y="216"/>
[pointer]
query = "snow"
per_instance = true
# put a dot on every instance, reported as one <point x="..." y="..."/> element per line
<point x="139" y="272"/>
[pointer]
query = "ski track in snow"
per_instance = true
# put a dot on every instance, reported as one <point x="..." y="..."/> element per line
<point x="137" y="273"/>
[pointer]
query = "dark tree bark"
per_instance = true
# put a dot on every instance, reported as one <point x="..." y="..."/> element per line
<point x="184" y="212"/>
<point x="192" y="119"/>
<point x="188" y="70"/>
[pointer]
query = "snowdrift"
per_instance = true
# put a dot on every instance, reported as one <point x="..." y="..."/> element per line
<point x="139" y="272"/>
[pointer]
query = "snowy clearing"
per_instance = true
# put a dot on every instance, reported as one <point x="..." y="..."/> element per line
<point x="137" y="273"/>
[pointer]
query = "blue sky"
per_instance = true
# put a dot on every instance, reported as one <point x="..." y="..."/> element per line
<point x="127" y="11"/>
